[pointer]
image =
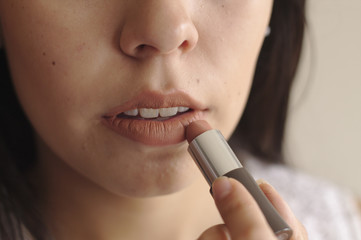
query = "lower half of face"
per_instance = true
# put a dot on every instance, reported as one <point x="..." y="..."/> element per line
<point x="87" y="75"/>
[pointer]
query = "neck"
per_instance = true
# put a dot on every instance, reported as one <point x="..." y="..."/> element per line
<point x="76" y="208"/>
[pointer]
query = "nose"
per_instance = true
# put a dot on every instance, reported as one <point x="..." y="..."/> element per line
<point x="157" y="27"/>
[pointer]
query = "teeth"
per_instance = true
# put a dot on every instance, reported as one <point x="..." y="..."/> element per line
<point x="168" y="112"/>
<point x="149" y="112"/>
<point x="133" y="112"/>
<point x="154" y="112"/>
<point x="183" y="109"/>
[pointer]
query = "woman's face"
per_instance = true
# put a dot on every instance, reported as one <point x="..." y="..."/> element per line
<point x="87" y="73"/>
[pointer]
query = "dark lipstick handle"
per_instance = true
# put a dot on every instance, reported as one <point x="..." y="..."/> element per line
<point x="278" y="225"/>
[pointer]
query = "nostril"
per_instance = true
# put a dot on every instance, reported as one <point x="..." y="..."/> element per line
<point x="141" y="47"/>
<point x="144" y="50"/>
<point x="184" y="45"/>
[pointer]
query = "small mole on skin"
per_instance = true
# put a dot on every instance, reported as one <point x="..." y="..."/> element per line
<point x="53" y="63"/>
<point x="44" y="54"/>
<point x="198" y="80"/>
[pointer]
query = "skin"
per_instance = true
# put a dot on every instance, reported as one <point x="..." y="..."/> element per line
<point x="71" y="61"/>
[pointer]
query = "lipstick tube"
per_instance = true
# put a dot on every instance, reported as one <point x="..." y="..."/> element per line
<point x="215" y="158"/>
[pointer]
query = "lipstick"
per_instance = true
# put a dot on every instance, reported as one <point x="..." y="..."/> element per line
<point x="215" y="158"/>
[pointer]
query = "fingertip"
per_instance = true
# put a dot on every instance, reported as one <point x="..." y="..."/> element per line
<point x="267" y="188"/>
<point x="276" y="200"/>
<point x="221" y="188"/>
<point x="283" y="209"/>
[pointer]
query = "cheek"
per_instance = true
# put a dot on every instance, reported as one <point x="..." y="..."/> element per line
<point x="50" y="66"/>
<point x="234" y="36"/>
<point x="50" y="82"/>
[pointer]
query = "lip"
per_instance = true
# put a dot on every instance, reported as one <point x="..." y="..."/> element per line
<point x="155" y="132"/>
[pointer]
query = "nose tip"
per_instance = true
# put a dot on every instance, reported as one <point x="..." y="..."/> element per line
<point x="159" y="43"/>
<point x="159" y="32"/>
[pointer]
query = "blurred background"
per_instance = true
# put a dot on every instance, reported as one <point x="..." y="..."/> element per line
<point x="324" y="127"/>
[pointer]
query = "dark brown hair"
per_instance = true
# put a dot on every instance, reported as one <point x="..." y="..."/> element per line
<point x="260" y="130"/>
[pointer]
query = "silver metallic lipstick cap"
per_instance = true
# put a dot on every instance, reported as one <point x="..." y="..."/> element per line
<point x="213" y="155"/>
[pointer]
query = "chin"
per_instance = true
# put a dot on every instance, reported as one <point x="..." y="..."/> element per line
<point x="163" y="183"/>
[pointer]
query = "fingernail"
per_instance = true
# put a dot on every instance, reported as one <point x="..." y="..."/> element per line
<point x="221" y="187"/>
<point x="262" y="181"/>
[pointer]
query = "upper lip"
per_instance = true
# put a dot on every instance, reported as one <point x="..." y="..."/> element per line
<point x="153" y="99"/>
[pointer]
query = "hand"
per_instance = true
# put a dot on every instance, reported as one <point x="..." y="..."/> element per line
<point x="242" y="217"/>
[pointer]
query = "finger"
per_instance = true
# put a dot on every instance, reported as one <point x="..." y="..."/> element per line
<point x="217" y="232"/>
<point x="240" y="211"/>
<point x="299" y="231"/>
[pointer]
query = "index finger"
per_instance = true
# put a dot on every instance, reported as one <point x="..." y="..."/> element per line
<point x="240" y="211"/>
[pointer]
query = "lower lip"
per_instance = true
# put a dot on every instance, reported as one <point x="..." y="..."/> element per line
<point x="152" y="132"/>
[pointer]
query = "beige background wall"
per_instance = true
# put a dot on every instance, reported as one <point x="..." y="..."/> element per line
<point x="324" y="129"/>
